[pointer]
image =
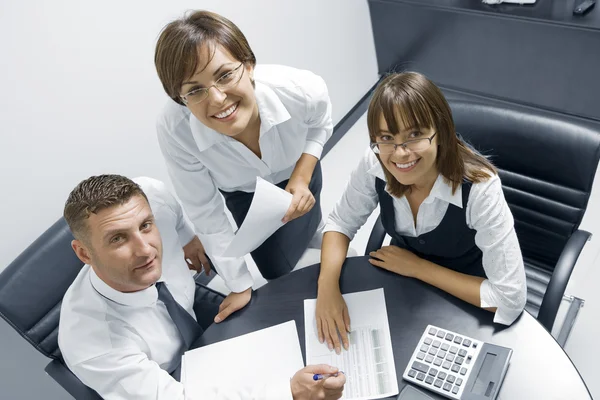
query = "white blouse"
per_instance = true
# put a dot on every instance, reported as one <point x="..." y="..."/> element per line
<point x="295" y="114"/>
<point x="486" y="212"/>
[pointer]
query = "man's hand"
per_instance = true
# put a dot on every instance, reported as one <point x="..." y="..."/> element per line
<point x="302" y="201"/>
<point x="396" y="259"/>
<point x="195" y="256"/>
<point x="232" y="303"/>
<point x="304" y="387"/>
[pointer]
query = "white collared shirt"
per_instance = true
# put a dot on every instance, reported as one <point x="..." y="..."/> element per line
<point x="295" y="114"/>
<point x="486" y="212"/>
<point x="122" y="344"/>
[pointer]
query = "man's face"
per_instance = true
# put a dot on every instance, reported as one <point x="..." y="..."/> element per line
<point x="123" y="246"/>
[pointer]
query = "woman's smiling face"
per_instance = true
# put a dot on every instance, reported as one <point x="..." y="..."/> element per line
<point x="408" y="167"/>
<point x="227" y="110"/>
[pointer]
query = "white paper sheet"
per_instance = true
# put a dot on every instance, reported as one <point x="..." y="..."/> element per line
<point x="369" y="361"/>
<point x="255" y="359"/>
<point x="268" y="207"/>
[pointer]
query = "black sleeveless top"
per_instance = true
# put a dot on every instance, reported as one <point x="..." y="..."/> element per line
<point x="451" y="244"/>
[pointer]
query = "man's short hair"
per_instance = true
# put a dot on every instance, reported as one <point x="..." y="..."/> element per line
<point x="95" y="194"/>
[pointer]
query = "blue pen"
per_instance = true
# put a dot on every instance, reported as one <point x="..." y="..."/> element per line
<point x="318" y="377"/>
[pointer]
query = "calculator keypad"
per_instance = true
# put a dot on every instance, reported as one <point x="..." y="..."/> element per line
<point x="442" y="361"/>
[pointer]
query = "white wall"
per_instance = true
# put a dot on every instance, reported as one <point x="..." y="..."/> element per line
<point x="79" y="96"/>
<point x="79" y="93"/>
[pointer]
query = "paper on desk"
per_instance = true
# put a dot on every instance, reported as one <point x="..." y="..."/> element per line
<point x="252" y="360"/>
<point x="268" y="207"/>
<point x="369" y="361"/>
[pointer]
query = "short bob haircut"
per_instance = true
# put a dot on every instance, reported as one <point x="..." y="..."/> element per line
<point x="177" y="51"/>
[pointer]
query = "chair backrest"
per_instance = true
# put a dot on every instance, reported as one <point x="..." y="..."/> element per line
<point x="547" y="163"/>
<point x="33" y="285"/>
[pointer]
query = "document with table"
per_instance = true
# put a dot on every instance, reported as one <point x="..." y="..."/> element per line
<point x="369" y="361"/>
<point x="269" y="205"/>
<point x="252" y="360"/>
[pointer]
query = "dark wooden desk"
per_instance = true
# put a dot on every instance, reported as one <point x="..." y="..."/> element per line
<point x="538" y="55"/>
<point x="539" y="367"/>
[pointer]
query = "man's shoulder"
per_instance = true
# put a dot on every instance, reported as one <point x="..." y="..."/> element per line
<point x="157" y="193"/>
<point x="82" y="327"/>
<point x="152" y="187"/>
<point x="81" y="300"/>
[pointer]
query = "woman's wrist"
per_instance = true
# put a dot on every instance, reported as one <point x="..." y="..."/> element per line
<point x="423" y="270"/>
<point x="328" y="282"/>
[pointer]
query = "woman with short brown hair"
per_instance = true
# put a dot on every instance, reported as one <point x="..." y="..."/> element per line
<point x="229" y="122"/>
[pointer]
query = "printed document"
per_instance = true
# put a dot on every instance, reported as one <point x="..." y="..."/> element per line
<point x="268" y="207"/>
<point x="369" y="361"/>
<point x="252" y="360"/>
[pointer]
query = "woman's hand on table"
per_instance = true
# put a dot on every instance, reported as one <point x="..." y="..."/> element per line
<point x="332" y="317"/>
<point x="397" y="260"/>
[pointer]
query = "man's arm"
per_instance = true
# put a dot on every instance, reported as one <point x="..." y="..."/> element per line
<point x="126" y="374"/>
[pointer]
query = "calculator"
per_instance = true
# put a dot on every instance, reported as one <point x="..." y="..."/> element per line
<point x="456" y="366"/>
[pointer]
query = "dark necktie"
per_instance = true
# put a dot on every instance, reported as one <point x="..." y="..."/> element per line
<point x="187" y="326"/>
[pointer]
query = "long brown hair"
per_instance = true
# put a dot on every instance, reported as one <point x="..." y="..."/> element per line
<point x="176" y="54"/>
<point x="410" y="99"/>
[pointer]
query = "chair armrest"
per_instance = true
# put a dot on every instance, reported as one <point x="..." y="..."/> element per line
<point x="376" y="238"/>
<point x="560" y="278"/>
<point x="68" y="381"/>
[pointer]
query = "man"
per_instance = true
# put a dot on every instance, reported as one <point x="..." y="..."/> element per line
<point x="129" y="314"/>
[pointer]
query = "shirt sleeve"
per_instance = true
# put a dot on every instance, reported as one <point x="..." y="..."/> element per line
<point x="127" y="374"/>
<point x="358" y="201"/>
<point x="203" y="205"/>
<point x="318" y="111"/>
<point x="156" y="188"/>
<point x="505" y="287"/>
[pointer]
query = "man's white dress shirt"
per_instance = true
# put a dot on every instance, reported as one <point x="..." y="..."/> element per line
<point x="122" y="344"/>
<point x="295" y="114"/>
<point x="486" y="212"/>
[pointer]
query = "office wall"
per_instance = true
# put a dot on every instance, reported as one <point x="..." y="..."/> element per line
<point x="79" y="91"/>
<point x="79" y="96"/>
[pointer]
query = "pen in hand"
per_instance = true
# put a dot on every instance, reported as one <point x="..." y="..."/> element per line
<point x="318" y="377"/>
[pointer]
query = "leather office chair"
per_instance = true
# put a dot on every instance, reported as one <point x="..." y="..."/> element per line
<point x="31" y="292"/>
<point x="547" y="162"/>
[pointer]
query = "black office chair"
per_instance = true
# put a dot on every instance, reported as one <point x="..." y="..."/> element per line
<point x="31" y="292"/>
<point x="547" y="162"/>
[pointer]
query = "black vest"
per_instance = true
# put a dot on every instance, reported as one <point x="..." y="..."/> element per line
<point x="451" y="244"/>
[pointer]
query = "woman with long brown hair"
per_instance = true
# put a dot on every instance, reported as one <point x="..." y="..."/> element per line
<point x="441" y="202"/>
